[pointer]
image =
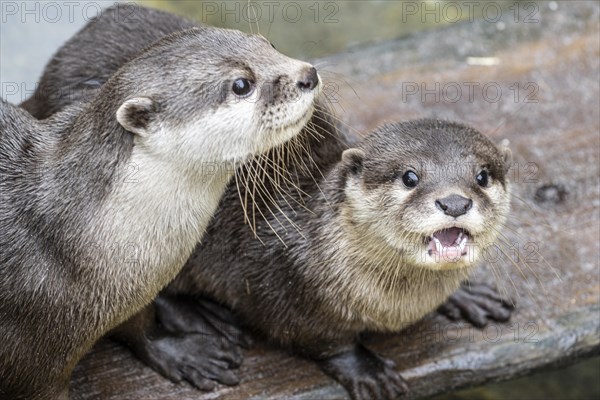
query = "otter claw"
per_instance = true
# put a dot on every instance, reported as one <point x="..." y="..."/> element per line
<point x="365" y="375"/>
<point x="196" y="358"/>
<point x="477" y="303"/>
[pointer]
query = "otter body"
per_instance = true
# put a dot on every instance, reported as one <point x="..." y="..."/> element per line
<point x="104" y="201"/>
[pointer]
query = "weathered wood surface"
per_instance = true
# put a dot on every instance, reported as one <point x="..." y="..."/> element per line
<point x="556" y="143"/>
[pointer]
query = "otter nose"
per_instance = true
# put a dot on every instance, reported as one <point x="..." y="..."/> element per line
<point x="309" y="80"/>
<point x="454" y="205"/>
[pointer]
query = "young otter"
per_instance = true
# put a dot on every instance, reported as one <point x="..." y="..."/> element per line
<point x="102" y="203"/>
<point x="394" y="228"/>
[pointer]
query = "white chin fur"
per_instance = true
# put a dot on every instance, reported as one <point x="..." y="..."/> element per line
<point x="289" y="132"/>
<point x="288" y="129"/>
<point x="296" y="117"/>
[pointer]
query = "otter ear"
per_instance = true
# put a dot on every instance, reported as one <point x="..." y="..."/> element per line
<point x="352" y="159"/>
<point x="507" y="154"/>
<point x="135" y="115"/>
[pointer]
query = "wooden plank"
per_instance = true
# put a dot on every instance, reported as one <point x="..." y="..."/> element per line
<point x="556" y="208"/>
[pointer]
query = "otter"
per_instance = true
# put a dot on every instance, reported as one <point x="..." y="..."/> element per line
<point x="274" y="297"/>
<point x="103" y="201"/>
<point x="388" y="235"/>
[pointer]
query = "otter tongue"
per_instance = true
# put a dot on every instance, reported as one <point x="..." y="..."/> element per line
<point x="447" y="237"/>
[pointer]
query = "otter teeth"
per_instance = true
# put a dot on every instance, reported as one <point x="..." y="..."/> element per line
<point x="438" y="245"/>
<point x="440" y="248"/>
<point x="448" y="248"/>
<point x="462" y="243"/>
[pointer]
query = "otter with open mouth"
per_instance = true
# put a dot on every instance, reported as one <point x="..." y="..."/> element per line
<point x="389" y="233"/>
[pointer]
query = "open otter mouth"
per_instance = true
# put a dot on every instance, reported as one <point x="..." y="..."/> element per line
<point x="451" y="243"/>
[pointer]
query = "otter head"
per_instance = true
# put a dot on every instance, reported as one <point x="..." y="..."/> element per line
<point x="213" y="95"/>
<point x="434" y="192"/>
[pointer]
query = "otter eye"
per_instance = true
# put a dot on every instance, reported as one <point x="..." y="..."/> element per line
<point x="410" y="179"/>
<point x="242" y="87"/>
<point x="482" y="178"/>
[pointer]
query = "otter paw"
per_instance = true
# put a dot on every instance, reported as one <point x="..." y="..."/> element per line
<point x="199" y="359"/>
<point x="477" y="303"/>
<point x="187" y="314"/>
<point x="365" y="375"/>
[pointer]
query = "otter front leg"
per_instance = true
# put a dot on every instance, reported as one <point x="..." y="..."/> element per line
<point x="364" y="374"/>
<point x="199" y="358"/>
<point x="477" y="303"/>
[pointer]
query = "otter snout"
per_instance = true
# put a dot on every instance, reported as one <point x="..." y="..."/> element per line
<point x="454" y="205"/>
<point x="309" y="79"/>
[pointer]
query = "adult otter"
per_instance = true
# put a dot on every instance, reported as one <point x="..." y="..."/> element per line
<point x="102" y="203"/>
<point x="220" y="253"/>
